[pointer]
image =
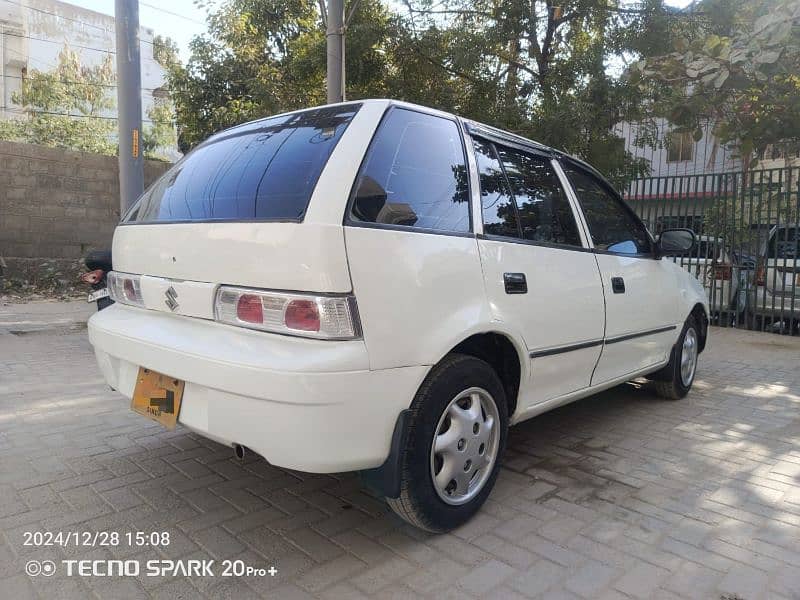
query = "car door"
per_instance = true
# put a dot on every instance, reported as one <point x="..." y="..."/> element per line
<point x="641" y="292"/>
<point x="541" y="278"/>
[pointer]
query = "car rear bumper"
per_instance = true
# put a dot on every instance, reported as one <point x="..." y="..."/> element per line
<point x="303" y="404"/>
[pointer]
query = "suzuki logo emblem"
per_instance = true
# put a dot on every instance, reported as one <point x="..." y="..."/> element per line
<point x="170" y="301"/>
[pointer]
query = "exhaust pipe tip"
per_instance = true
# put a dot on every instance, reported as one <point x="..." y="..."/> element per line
<point x="239" y="451"/>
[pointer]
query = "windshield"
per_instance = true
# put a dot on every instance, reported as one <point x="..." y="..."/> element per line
<point x="261" y="171"/>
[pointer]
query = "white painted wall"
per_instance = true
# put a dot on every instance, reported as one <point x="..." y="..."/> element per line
<point x="33" y="32"/>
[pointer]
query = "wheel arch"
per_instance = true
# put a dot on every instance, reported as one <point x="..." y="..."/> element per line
<point x="701" y="317"/>
<point x="503" y="355"/>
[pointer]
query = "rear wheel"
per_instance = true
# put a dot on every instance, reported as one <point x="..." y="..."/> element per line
<point x="675" y="380"/>
<point x="456" y="436"/>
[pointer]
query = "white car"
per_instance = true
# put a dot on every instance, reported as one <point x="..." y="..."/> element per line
<point x="382" y="287"/>
<point x="775" y="294"/>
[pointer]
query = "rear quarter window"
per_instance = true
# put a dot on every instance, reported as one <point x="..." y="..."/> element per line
<point x="414" y="175"/>
<point x="261" y="171"/>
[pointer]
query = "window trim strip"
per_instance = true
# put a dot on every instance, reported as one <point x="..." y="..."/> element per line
<point x="631" y="336"/>
<point x="599" y="342"/>
<point x="563" y="349"/>
<point x="497" y="136"/>
<point x="510" y="240"/>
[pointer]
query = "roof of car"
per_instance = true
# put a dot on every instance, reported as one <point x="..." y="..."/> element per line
<point x="489" y="130"/>
<point x="472" y="126"/>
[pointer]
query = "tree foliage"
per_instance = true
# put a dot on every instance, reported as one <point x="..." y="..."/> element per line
<point x="737" y="67"/>
<point x="64" y="108"/>
<point x="160" y="133"/>
<point x="538" y="69"/>
<point x="72" y="105"/>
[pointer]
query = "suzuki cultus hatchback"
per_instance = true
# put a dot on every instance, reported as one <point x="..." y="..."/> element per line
<point x="382" y="287"/>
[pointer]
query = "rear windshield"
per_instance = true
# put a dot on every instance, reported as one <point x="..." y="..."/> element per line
<point x="262" y="171"/>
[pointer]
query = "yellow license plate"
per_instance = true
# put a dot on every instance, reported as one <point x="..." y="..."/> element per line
<point x="157" y="397"/>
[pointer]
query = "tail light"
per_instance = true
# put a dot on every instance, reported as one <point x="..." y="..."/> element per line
<point x="92" y="277"/>
<point x="723" y="272"/>
<point x="761" y="274"/>
<point x="125" y="288"/>
<point x="306" y="315"/>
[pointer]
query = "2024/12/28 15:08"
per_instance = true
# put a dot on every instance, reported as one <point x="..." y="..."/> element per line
<point x="96" y="538"/>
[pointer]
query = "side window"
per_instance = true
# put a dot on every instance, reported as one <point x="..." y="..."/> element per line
<point x="499" y="214"/>
<point x="610" y="224"/>
<point x="414" y="175"/>
<point x="785" y="243"/>
<point x="544" y="211"/>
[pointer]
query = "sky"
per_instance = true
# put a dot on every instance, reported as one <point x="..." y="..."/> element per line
<point x="181" y="20"/>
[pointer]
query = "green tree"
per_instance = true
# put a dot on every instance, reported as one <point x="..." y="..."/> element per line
<point x="69" y="106"/>
<point x="531" y="66"/>
<point x="261" y="57"/>
<point x="547" y="70"/>
<point x="737" y="67"/>
<point x="65" y="107"/>
<point x="159" y="131"/>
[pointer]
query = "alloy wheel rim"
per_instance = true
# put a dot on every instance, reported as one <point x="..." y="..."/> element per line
<point x="464" y="447"/>
<point x="689" y="357"/>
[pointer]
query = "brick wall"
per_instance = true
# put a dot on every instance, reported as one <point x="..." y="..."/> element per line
<point x="57" y="204"/>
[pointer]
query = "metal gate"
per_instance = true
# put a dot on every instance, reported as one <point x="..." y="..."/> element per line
<point x="748" y="251"/>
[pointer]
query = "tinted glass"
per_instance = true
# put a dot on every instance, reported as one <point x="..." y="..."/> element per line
<point x="414" y="175"/>
<point x="265" y="170"/>
<point x="785" y="243"/>
<point x="499" y="215"/>
<point x="610" y="224"/>
<point x="544" y="211"/>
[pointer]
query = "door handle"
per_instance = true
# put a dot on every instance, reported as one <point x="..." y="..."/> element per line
<point x="618" y="285"/>
<point x="515" y="283"/>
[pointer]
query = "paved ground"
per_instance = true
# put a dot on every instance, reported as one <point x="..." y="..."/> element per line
<point x="621" y="495"/>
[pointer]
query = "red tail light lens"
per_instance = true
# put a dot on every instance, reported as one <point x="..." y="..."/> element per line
<point x="302" y="315"/>
<point x="328" y="317"/>
<point x="249" y="309"/>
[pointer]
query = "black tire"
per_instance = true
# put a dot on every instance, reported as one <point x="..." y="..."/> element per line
<point x="419" y="502"/>
<point x="668" y="381"/>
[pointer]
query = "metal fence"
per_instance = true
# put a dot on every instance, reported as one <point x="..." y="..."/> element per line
<point x="748" y="251"/>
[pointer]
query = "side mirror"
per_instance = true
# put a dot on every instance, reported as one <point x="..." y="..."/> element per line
<point x="676" y="242"/>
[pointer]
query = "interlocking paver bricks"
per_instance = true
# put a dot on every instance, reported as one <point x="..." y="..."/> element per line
<point x="621" y="495"/>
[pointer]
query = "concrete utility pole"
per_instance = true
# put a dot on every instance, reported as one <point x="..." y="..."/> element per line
<point x="129" y="103"/>
<point x="335" y="46"/>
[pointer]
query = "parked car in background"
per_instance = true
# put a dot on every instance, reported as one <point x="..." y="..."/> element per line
<point x="719" y="273"/>
<point x="383" y="287"/>
<point x="775" y="292"/>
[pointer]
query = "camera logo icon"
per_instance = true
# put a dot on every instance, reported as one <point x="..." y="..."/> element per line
<point x="35" y="568"/>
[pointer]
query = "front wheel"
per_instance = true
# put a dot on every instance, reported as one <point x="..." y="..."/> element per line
<point x="456" y="436"/>
<point x="675" y="380"/>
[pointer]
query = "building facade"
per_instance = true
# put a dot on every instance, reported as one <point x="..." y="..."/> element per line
<point x="692" y="175"/>
<point x="34" y="32"/>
